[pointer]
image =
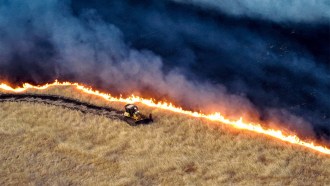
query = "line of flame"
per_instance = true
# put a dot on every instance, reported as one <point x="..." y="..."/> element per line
<point x="239" y="124"/>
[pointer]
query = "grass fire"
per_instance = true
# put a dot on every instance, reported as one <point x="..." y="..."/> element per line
<point x="164" y="92"/>
<point x="239" y="124"/>
<point x="77" y="134"/>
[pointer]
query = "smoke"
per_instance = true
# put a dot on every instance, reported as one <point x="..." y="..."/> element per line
<point x="46" y="40"/>
<point x="274" y="10"/>
<point x="171" y="51"/>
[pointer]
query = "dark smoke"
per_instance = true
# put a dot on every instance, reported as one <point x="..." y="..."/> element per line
<point x="195" y="57"/>
<point x="274" y="10"/>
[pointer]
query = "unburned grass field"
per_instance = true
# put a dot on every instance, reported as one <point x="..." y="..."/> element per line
<point x="43" y="144"/>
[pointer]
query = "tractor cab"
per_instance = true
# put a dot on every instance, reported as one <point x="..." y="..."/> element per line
<point x="131" y="111"/>
<point x="134" y="117"/>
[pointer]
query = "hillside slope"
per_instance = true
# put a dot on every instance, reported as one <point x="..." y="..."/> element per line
<point x="46" y="144"/>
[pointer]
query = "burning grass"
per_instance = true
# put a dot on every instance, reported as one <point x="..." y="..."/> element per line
<point x="43" y="144"/>
<point x="236" y="123"/>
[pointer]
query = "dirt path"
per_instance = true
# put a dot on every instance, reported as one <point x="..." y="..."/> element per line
<point x="65" y="103"/>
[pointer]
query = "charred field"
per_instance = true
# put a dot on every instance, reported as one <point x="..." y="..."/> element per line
<point x="49" y="144"/>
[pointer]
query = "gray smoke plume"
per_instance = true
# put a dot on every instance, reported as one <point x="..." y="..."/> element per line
<point x="93" y="51"/>
<point x="104" y="46"/>
<point x="274" y="10"/>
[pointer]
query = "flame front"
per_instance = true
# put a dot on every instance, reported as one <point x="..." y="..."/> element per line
<point x="239" y="124"/>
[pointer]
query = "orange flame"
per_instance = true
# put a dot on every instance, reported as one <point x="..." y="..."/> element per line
<point x="239" y="124"/>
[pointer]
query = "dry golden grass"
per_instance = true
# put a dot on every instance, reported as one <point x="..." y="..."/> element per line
<point x="48" y="145"/>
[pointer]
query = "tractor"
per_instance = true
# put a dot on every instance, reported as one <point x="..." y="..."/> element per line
<point x="134" y="117"/>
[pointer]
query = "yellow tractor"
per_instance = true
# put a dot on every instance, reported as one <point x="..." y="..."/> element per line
<point x="134" y="117"/>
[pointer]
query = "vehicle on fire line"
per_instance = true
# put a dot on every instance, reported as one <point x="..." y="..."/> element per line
<point x="134" y="117"/>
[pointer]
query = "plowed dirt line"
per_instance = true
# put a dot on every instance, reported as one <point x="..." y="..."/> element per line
<point x="65" y="103"/>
